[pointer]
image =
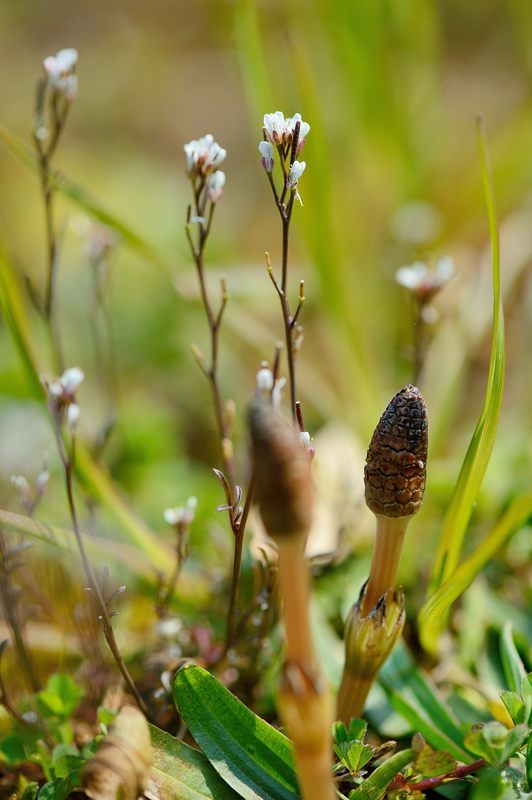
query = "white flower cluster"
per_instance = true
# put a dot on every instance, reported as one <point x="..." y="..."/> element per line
<point x="281" y="131"/>
<point x="203" y="157"/>
<point x="181" y="516"/>
<point x="62" y="394"/>
<point x="267" y="386"/>
<point x="424" y="282"/>
<point x="60" y="71"/>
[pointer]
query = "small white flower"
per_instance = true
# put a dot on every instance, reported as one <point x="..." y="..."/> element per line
<point x="215" y="185"/>
<point x="21" y="484"/>
<point x="277" y="393"/>
<point x="265" y="380"/>
<point x="181" y="515"/>
<point x="203" y="156"/>
<point x="41" y="484"/>
<point x="275" y="126"/>
<point x="423" y="281"/>
<point x="173" y="516"/>
<point x="267" y="153"/>
<point x="71" y="380"/>
<point x="305" y="439"/>
<point x="73" y="416"/>
<point x="304" y="130"/>
<point x="296" y="171"/>
<point x="60" y="69"/>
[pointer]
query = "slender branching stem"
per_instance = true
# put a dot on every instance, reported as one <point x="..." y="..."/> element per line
<point x="96" y="592"/>
<point x="237" y="561"/>
<point x="460" y="772"/>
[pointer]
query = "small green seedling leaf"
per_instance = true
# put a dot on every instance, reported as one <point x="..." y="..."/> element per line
<point x="429" y="762"/>
<point x="374" y="787"/>
<point x="514" y="706"/>
<point x="495" y="743"/>
<point x="252" y="757"/>
<point x="349" y="744"/>
<point x="60" y="698"/>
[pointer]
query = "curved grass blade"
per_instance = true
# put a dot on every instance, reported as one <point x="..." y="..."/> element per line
<point x="23" y="153"/>
<point x="481" y="445"/>
<point x="413" y="695"/>
<point x="251" y="756"/>
<point x="182" y="773"/>
<point x="438" y="603"/>
<point x="374" y="787"/>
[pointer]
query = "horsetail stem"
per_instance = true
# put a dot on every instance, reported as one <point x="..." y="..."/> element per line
<point x="394" y="478"/>
<point x="284" y="496"/>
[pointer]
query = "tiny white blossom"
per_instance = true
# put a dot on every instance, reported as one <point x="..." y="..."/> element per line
<point x="304" y="130"/>
<point x="43" y="478"/>
<point x="181" y="515"/>
<point x="203" y="156"/>
<point x="21" y="484"/>
<point x="215" y="185"/>
<point x="71" y="380"/>
<point x="305" y="439"/>
<point x="73" y="416"/>
<point x="275" y="125"/>
<point x="265" y="380"/>
<point x="296" y="171"/>
<point x="423" y="281"/>
<point x="60" y="69"/>
<point x="173" y="516"/>
<point x="267" y="153"/>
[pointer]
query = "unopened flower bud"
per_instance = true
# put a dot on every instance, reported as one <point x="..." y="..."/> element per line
<point x="282" y="468"/>
<point x="73" y="416"/>
<point x="267" y="153"/>
<point x="265" y="380"/>
<point x="396" y="462"/>
<point x="215" y="185"/>
<point x="369" y="639"/>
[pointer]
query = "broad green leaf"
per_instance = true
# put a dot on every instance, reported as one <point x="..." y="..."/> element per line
<point x="493" y="784"/>
<point x="514" y="706"/>
<point x="514" y="669"/>
<point x="18" y="148"/>
<point x="182" y="773"/>
<point x="417" y="699"/>
<point x="374" y="787"/>
<point x="435" y="607"/>
<point x="481" y="445"/>
<point x="251" y="756"/>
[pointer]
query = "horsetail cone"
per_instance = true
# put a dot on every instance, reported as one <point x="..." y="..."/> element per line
<point x="282" y="473"/>
<point x="395" y="470"/>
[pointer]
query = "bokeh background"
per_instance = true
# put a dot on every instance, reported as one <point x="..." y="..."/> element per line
<point x="391" y="90"/>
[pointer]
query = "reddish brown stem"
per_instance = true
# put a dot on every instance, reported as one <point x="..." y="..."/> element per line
<point x="459" y="772"/>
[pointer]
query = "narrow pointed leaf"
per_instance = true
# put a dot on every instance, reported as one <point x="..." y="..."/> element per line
<point x="514" y="669"/>
<point x="250" y="755"/>
<point x="481" y="445"/>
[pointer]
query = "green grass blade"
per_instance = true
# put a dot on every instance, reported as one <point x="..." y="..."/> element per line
<point x="374" y="787"/>
<point x="24" y="154"/>
<point x="413" y="695"/>
<point x="481" y="445"/>
<point x="437" y="605"/>
<point x="250" y="755"/>
<point x="514" y="669"/>
<point x="182" y="773"/>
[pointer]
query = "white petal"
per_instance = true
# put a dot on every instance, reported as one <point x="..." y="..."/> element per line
<point x="71" y="379"/>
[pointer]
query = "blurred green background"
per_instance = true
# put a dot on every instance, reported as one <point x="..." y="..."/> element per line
<point x="391" y="89"/>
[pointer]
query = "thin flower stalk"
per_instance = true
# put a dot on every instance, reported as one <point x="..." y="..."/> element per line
<point x="203" y="158"/>
<point x="61" y="401"/>
<point x="283" y="140"/>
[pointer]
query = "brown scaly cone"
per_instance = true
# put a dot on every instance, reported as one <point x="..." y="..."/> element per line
<point x="396" y="462"/>
<point x="120" y="766"/>
<point x="283" y="489"/>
